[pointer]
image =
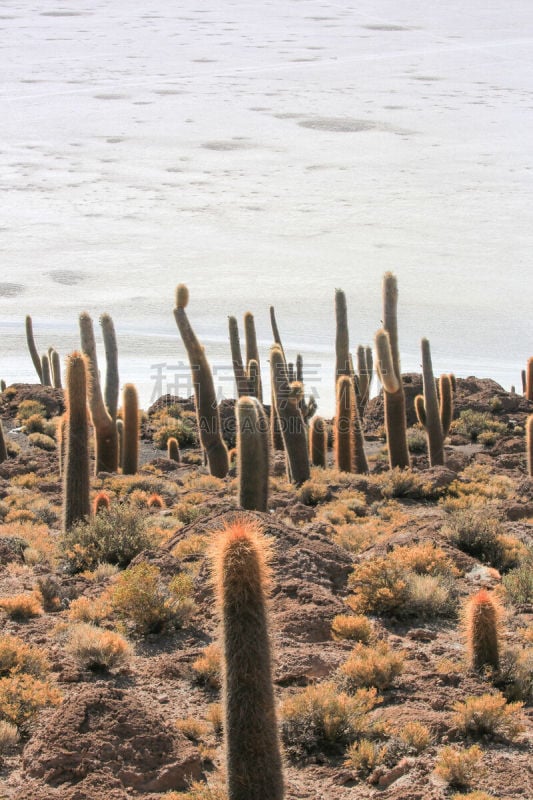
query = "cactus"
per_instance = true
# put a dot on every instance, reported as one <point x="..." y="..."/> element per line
<point x="55" y="364"/>
<point x="342" y="339"/>
<point x="388" y="366"/>
<point x="155" y="501"/>
<point x="105" y="428"/>
<point x="241" y="378"/>
<point x="76" y="501"/>
<point x="363" y="378"/>
<point x="2" y="385"/>
<point x="45" y="369"/>
<point x="275" y="329"/>
<point x="482" y="616"/>
<point x="529" y="380"/>
<point x="343" y="430"/>
<point x="204" y="390"/>
<point x="62" y="442"/>
<point x="100" y="502"/>
<point x="252" y="454"/>
<point x="524" y="381"/>
<point x="252" y="748"/>
<point x="111" y="356"/>
<point x="254" y="378"/>
<point x="427" y="409"/>
<point x="318" y="442"/>
<point x="120" y="438"/>
<point x="3" y="446"/>
<point x="446" y="403"/>
<point x="529" y="445"/>
<point x="299" y="369"/>
<point x="130" y="446"/>
<point x="34" y="353"/>
<point x="173" y="450"/>
<point x="252" y="351"/>
<point x="293" y="427"/>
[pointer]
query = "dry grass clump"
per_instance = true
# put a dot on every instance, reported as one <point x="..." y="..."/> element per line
<point x="481" y="533"/>
<point x="193" y="545"/>
<point x="425" y="559"/>
<point x="459" y="767"/>
<point x="22" y="696"/>
<point x="28" y="408"/>
<point x="21" y="607"/>
<point x="199" y="791"/>
<point x="207" y="667"/>
<point x="476" y="484"/>
<point x="9" y="736"/>
<point x="430" y="596"/>
<point x="313" y="492"/>
<point x="353" y="537"/>
<point x="42" y="441"/>
<point x="194" y="729"/>
<point x="36" y="536"/>
<point x="379" y="586"/>
<point x="169" y="427"/>
<point x="368" y="666"/>
<point x="415" y="736"/>
<point x="358" y="628"/>
<point x="364" y="756"/>
<point x="141" y="598"/>
<point x="348" y="507"/>
<point x="474" y="423"/>
<point x="474" y="796"/>
<point x="16" y="656"/>
<point x="489" y="715"/>
<point x="399" y="482"/>
<point x="215" y="717"/>
<point x="518" y="583"/>
<point x="96" y="649"/>
<point x="515" y="676"/>
<point x="92" y="611"/>
<point x="320" y="716"/>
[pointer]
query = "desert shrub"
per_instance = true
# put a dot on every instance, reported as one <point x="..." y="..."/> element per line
<point x="214" y="717"/>
<point x="203" y="483"/>
<point x="364" y="756"/>
<point x="474" y="796"/>
<point x="358" y="628"/>
<point x="320" y="716"/>
<point x="171" y="428"/>
<point x="459" y="767"/>
<point x="35" y="536"/>
<point x="368" y="666"/>
<point x="416" y="440"/>
<point x="194" y="545"/>
<point x="518" y="583"/>
<point x="9" y="736"/>
<point x="91" y="611"/>
<point x="429" y="596"/>
<point x="95" y="649"/>
<point x="115" y="535"/>
<point x="415" y="736"/>
<point x="399" y="482"/>
<point x="379" y="586"/>
<point x="30" y="408"/>
<point x="194" y="729"/>
<point x="207" y="667"/>
<point x="476" y="484"/>
<point x="348" y="507"/>
<point x="353" y="538"/>
<point x="489" y="438"/>
<point x="199" y="791"/>
<point x="480" y="532"/>
<point x="188" y="511"/>
<point x="22" y="696"/>
<point x="102" y="572"/>
<point x="472" y="423"/>
<point x="47" y="588"/>
<point x="34" y="424"/>
<point x="141" y="598"/>
<point x="42" y="441"/>
<point x="424" y="559"/>
<point x="311" y="493"/>
<point x="17" y="656"/>
<point x="21" y="607"/>
<point x="515" y="676"/>
<point x="489" y="715"/>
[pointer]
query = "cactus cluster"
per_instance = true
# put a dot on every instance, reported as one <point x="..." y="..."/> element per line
<point x="293" y="427"/>
<point x="47" y="366"/>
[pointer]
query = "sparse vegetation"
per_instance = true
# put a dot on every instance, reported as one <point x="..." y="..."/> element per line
<point x="96" y="649"/>
<point x="370" y="666"/>
<point x="489" y="715"/>
<point x="459" y="767"/>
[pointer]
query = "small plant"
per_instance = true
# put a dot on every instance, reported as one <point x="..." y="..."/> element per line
<point x="30" y="408"/>
<point x="48" y="590"/>
<point x="90" y="611"/>
<point x="358" y="628"/>
<point x="155" y="502"/>
<point x="480" y="532"/>
<point x="474" y="796"/>
<point x="416" y="440"/>
<point x="379" y="586"/>
<point x="370" y="666"/>
<point x="42" y="441"/>
<point x="518" y="583"/>
<point x="515" y="677"/>
<point x="489" y="715"/>
<point x="430" y="596"/>
<point x="459" y="767"/>
<point x="9" y="736"/>
<point x="199" y="791"/>
<point x="95" y="649"/>
<point x="214" y="717"/>
<point x="21" y="607"/>
<point x="181" y="430"/>
<point x="207" y="667"/>
<point x="472" y="423"/>
<point x="312" y="492"/>
<point x="194" y="729"/>
<point x="415" y="736"/>
<point x="16" y="656"/>
<point x="22" y="696"/>
<point x="407" y="483"/>
<point x="364" y="756"/>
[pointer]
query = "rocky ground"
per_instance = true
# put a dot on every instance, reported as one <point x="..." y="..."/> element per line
<point x="127" y="732"/>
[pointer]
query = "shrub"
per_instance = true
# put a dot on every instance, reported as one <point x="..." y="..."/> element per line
<point x="472" y="423"/>
<point x="91" y="611"/>
<point x="364" y="756"/>
<point x="115" y="535"/>
<point x="17" y="656"/>
<point x="416" y="440"/>
<point x="29" y="408"/>
<point x="215" y="718"/>
<point x="518" y="583"/>
<point x="141" y="598"/>
<point x="207" y="667"/>
<point x="194" y="729"/>
<point x="354" y="538"/>
<point x="424" y="559"/>
<point x="311" y="493"/>
<point x="474" y="796"/>
<point x="42" y="441"/>
<point x="415" y="736"/>
<point x="359" y="628"/>
<point x="459" y="767"/>
<point x="194" y="545"/>
<point x="399" y="482"/>
<point x="48" y="590"/>
<point x="34" y="424"/>
<point x="9" y="736"/>
<point x="21" y="606"/>
<point x="95" y="649"/>
<point x="429" y="596"/>
<point x="22" y="696"/>
<point x="370" y="666"/>
<point x="515" y="677"/>
<point x="489" y="715"/>
<point x="199" y="791"/>
<point x="480" y="532"/>
<point x="379" y="586"/>
<point x="180" y="429"/>
<point x="320" y="716"/>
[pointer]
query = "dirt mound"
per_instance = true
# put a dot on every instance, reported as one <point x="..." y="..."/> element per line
<point x="104" y="735"/>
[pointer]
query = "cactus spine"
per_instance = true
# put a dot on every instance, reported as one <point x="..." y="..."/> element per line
<point x="427" y="409"/>
<point x="252" y="351"/>
<point x="291" y="421"/>
<point x="173" y="450"/>
<point x="529" y="445"/>
<point x="76" y="501"/>
<point x="34" y="353"/>
<point x="130" y="447"/>
<point x="388" y="365"/>
<point x="318" y="442"/>
<point x="241" y="576"/>
<point x="241" y="379"/>
<point x="529" y="380"/>
<point x="204" y="390"/>
<point x="252" y="454"/>
<point x="482" y="620"/>
<point x="3" y="446"/>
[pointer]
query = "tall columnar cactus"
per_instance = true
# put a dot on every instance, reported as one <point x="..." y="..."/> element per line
<point x="529" y="380"/>
<point x="275" y="329"/>
<point x="55" y="364"/>
<point x="32" y="347"/>
<point x="252" y="748"/>
<point x="318" y="442"/>
<point x="120" y="437"/>
<point x="105" y="428"/>
<point x="45" y="368"/>
<point x="254" y="378"/>
<point x="252" y="454"/>
<point x="342" y="338"/>
<point x="446" y="403"/>
<point x="3" y="446"/>
<point x="428" y="411"/>
<point x="130" y="411"/>
<point x="363" y="378"/>
<point x="111" y="355"/>
<point x="204" y="391"/>
<point x="76" y="502"/>
<point x="388" y="365"/>
<point x="482" y="616"/>
<point x="343" y="431"/>
<point x="293" y="427"/>
<point x="299" y="369"/>
<point x="529" y="445"/>
<point x="173" y="450"/>
<point x="252" y="350"/>
<point x="241" y="378"/>
<point x="62" y="427"/>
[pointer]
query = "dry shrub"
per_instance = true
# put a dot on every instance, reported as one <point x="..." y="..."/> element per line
<point x="358" y="628"/>
<point x="22" y="696"/>
<point x="28" y="408"/>
<point x="194" y="545"/>
<point x="364" y="756"/>
<point x="35" y="536"/>
<point x="96" y="649"/>
<point x="474" y="796"/>
<point x="481" y="533"/>
<point x="47" y="589"/>
<point x="515" y="677"/>
<point x="399" y="482"/>
<point x="9" y="736"/>
<point x="17" y="656"/>
<point x="214" y="717"/>
<point x="193" y="729"/>
<point x="42" y="441"/>
<point x="91" y="611"/>
<point x="199" y="791"/>
<point x="348" y="507"/>
<point x="21" y="607"/>
<point x="429" y="596"/>
<point x="489" y="715"/>
<point x="459" y="767"/>
<point x="367" y="666"/>
<point x="518" y="583"/>
<point x="379" y="586"/>
<point x="313" y="492"/>
<point x="207" y="667"/>
<point x="354" y="538"/>
<point x="425" y="559"/>
<point x="415" y="736"/>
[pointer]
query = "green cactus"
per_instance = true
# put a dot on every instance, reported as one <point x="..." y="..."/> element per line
<point x="241" y="575"/>
<point x="529" y="445"/>
<point x="318" y="442"/>
<point x="55" y="364"/>
<point x="62" y="442"/>
<point x="3" y="447"/>
<point x="241" y="378"/>
<point x="111" y="376"/>
<point x="363" y="378"/>
<point x="445" y="403"/>
<point x="130" y="447"/>
<point x="76" y="502"/>
<point x="204" y="391"/>
<point x="105" y="428"/>
<point x="344" y="427"/>
<point x="299" y="369"/>
<point x="2" y="385"/>
<point x="293" y="427"/>
<point x="388" y="358"/>
<point x="173" y="450"/>
<point x="120" y="437"/>
<point x="427" y="409"/>
<point x="254" y="378"/>
<point x="252" y="454"/>
<point x="45" y="368"/>
<point x="482" y="619"/>
<point x="275" y="329"/>
<point x="343" y="361"/>
<point x="252" y="351"/>
<point x="32" y="347"/>
<point x="529" y="380"/>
